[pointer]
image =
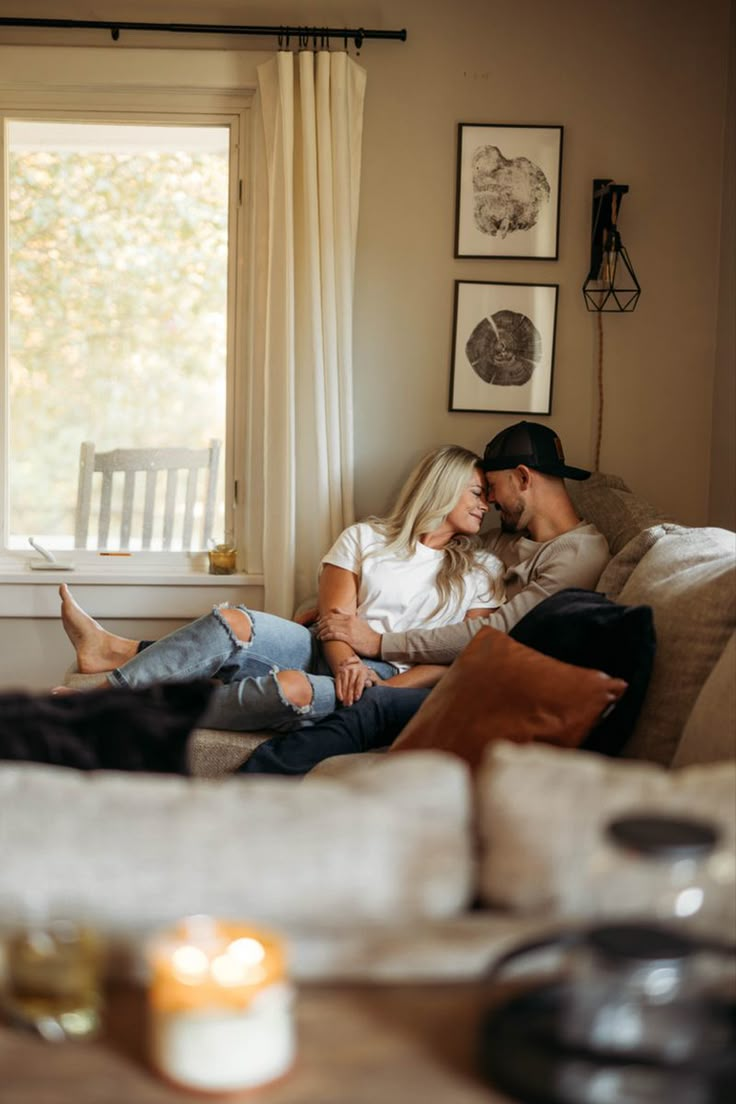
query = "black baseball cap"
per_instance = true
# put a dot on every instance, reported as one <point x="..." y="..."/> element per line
<point x="537" y="446"/>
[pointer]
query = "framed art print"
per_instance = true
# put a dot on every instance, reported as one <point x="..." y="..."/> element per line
<point x="508" y="191"/>
<point x="503" y="347"/>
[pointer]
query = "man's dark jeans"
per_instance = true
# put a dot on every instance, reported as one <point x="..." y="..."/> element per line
<point x="373" y="722"/>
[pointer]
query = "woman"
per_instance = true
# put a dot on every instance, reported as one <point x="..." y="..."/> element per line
<point x="420" y="565"/>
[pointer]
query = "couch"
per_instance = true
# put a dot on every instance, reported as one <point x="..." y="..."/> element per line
<point x="405" y="865"/>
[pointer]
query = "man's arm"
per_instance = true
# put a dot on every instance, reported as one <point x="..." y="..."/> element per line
<point x="563" y="563"/>
<point x="430" y="646"/>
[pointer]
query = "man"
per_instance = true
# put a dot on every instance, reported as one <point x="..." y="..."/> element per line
<point x="545" y="548"/>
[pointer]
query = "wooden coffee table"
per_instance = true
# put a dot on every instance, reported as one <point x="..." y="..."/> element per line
<point x="357" y="1044"/>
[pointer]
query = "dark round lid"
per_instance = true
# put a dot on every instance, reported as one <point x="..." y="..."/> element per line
<point x="640" y="942"/>
<point x="663" y="837"/>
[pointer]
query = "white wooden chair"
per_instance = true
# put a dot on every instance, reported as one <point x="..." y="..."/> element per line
<point x="175" y="515"/>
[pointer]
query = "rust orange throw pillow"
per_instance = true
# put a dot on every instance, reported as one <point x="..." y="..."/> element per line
<point x="498" y="689"/>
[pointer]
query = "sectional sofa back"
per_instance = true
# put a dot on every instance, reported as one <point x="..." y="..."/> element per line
<point x="688" y="577"/>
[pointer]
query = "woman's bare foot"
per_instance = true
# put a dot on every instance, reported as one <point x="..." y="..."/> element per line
<point x="97" y="649"/>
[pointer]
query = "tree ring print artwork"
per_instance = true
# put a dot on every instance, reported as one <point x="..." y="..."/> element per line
<point x="503" y="347"/>
<point x="508" y="191"/>
<point x="507" y="194"/>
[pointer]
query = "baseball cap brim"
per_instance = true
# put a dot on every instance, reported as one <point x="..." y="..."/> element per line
<point x="565" y="471"/>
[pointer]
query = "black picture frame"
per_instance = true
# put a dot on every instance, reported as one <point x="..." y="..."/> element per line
<point x="509" y="179"/>
<point x="503" y="347"/>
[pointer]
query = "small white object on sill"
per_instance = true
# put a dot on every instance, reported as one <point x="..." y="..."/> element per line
<point x="49" y="561"/>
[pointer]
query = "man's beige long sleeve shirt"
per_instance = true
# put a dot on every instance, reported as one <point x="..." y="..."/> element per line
<point x="534" y="570"/>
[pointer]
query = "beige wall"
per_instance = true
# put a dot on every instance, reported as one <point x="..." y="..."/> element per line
<point x="640" y="87"/>
<point x="723" y="453"/>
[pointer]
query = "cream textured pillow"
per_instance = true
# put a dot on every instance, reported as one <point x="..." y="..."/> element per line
<point x="689" y="579"/>
<point x="608" y="503"/>
<point x="619" y="570"/>
<point x="137" y="851"/>
<point x="542" y="811"/>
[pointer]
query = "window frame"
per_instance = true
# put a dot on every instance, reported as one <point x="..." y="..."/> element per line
<point x="148" y="86"/>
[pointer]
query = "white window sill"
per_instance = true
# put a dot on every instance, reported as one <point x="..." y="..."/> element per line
<point x="123" y="592"/>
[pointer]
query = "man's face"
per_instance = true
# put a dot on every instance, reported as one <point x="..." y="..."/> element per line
<point x="505" y="494"/>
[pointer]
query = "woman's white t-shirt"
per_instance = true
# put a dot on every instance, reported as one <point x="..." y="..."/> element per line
<point x="398" y="594"/>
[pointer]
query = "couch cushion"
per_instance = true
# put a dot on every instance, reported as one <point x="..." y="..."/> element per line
<point x="138" y="851"/>
<point x="214" y="752"/>
<point x="618" y="570"/>
<point x="498" y="689"/>
<point x="609" y="504"/>
<point x="710" y="732"/>
<point x="687" y="578"/>
<point x="542" y="812"/>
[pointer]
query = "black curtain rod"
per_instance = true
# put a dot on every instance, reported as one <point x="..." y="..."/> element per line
<point x="301" y="34"/>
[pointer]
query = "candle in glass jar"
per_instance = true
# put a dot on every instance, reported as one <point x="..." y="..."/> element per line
<point x="222" y="559"/>
<point x="221" y="1006"/>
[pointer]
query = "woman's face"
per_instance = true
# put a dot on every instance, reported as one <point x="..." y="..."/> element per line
<point x="467" y="514"/>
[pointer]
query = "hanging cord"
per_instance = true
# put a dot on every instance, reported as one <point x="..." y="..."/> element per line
<point x="599" y="428"/>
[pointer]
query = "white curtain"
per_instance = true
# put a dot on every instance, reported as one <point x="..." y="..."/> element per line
<point x="307" y="130"/>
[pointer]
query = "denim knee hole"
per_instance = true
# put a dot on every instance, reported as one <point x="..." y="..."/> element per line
<point x="285" y="700"/>
<point x="228" y="627"/>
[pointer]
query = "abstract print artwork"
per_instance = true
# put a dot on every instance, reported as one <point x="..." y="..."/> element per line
<point x="503" y="346"/>
<point x="508" y="191"/>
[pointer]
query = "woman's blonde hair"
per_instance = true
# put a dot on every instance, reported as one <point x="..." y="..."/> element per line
<point x="429" y="494"/>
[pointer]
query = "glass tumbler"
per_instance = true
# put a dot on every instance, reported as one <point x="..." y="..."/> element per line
<point x="53" y="976"/>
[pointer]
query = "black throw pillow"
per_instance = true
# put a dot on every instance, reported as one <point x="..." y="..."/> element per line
<point x="106" y="729"/>
<point x="589" y="630"/>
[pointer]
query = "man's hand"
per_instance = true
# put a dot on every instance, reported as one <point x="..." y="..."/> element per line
<point x="338" y="624"/>
<point x="351" y="679"/>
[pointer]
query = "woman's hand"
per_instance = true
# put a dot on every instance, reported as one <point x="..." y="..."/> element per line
<point x="351" y="679"/>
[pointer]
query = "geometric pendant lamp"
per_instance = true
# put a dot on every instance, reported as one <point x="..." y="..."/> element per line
<point x="611" y="284"/>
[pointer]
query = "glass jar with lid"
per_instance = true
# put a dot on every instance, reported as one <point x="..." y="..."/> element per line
<point x="666" y="869"/>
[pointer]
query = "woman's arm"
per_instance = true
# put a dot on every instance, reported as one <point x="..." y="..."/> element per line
<point x="339" y="587"/>
<point x="423" y="675"/>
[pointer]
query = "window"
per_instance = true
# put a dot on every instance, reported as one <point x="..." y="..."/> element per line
<point x="117" y="297"/>
<point x="122" y="244"/>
